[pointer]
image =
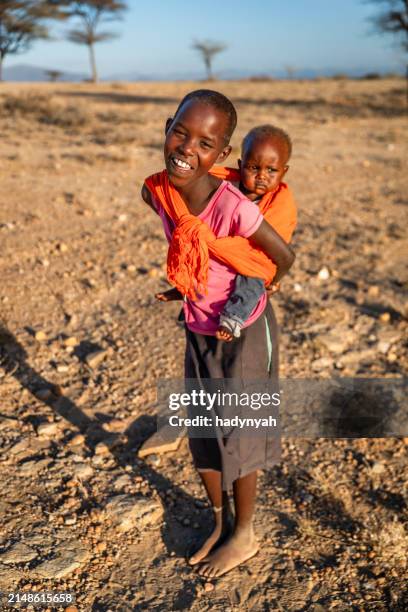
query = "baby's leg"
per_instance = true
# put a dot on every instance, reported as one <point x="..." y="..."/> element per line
<point x="242" y="544"/>
<point x="222" y="514"/>
<point x="241" y="303"/>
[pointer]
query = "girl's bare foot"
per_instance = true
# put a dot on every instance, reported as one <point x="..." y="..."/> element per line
<point x="240" y="547"/>
<point x="224" y="334"/>
<point x="169" y="296"/>
<point x="222" y="529"/>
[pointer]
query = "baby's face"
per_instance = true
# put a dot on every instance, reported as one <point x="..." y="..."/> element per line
<point x="263" y="165"/>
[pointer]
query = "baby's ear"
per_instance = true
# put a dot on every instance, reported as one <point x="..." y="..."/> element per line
<point x="168" y="124"/>
<point x="285" y="170"/>
<point x="224" y="153"/>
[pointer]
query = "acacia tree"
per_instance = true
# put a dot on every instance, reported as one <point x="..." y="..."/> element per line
<point x="90" y="14"/>
<point x="22" y="22"/>
<point x="208" y="49"/>
<point x="392" y="19"/>
<point x="54" y="75"/>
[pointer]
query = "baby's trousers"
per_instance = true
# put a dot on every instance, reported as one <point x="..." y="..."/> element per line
<point x="244" y="298"/>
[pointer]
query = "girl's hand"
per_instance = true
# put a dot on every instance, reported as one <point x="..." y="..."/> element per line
<point x="272" y="288"/>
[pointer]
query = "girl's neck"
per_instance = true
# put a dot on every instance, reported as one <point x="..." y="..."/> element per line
<point x="199" y="193"/>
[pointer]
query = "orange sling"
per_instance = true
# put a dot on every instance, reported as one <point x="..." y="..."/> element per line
<point x="193" y="241"/>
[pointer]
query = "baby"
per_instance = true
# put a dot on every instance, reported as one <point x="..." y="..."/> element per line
<point x="264" y="160"/>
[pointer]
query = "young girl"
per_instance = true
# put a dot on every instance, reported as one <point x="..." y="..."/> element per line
<point x="197" y="137"/>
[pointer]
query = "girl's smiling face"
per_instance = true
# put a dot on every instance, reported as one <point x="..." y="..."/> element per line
<point x="195" y="140"/>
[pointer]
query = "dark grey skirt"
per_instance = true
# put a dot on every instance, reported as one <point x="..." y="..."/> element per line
<point x="254" y="356"/>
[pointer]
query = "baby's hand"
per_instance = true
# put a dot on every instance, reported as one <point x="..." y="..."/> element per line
<point x="272" y="288"/>
<point x="169" y="296"/>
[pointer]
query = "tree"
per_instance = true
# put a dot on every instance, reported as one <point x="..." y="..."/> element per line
<point x="392" y="19"/>
<point x="208" y="49"/>
<point x="91" y="13"/>
<point x="54" y="75"/>
<point x="22" y="22"/>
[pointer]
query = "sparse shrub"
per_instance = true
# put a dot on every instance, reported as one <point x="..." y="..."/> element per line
<point x="371" y="76"/>
<point x="45" y="110"/>
<point x="260" y="78"/>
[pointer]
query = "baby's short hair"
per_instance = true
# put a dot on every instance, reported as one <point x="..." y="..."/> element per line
<point x="216" y="100"/>
<point x="266" y="131"/>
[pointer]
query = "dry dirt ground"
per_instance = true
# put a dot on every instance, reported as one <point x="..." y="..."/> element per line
<point x="81" y="259"/>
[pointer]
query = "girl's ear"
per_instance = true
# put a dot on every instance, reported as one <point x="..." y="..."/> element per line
<point x="224" y="154"/>
<point x="168" y="124"/>
<point x="285" y="171"/>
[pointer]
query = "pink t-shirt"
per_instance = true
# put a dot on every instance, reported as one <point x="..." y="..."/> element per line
<point x="228" y="213"/>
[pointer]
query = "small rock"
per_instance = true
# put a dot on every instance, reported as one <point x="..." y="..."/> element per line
<point x="70" y="520"/>
<point x="122" y="481"/>
<point x="47" y="429"/>
<point x="323" y="274"/>
<point x="101" y="449"/>
<point x="95" y="358"/>
<point x="383" y="347"/>
<point x="69" y="558"/>
<point x="71" y="341"/>
<point x="127" y="512"/>
<point x="154" y="272"/>
<point x="82" y="471"/>
<point x="77" y="440"/>
<point x="40" y="336"/>
<point x="165" y="440"/>
<point x="321" y="364"/>
<point x="385" y="317"/>
<point x="378" y="468"/>
<point x="336" y="342"/>
<point x="62" y="247"/>
<point x="18" y="553"/>
<point x="357" y="357"/>
<point x="297" y="287"/>
<point x="62" y="368"/>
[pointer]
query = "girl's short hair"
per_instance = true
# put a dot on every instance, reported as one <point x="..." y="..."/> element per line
<point x="216" y="100"/>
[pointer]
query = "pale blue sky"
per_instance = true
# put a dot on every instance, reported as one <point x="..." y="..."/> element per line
<point x="262" y="36"/>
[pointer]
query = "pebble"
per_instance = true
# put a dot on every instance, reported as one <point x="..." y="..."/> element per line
<point x="321" y="364"/>
<point x="82" y="471"/>
<point x="18" y="553"/>
<point x="71" y="341"/>
<point x="378" y="468"/>
<point x="40" y="336"/>
<point x="47" y="429"/>
<point x="77" y="440"/>
<point x="95" y="358"/>
<point x="323" y="274"/>
<point x="127" y="512"/>
<point x="69" y="557"/>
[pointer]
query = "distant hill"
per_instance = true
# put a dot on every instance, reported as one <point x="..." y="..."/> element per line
<point x="26" y="72"/>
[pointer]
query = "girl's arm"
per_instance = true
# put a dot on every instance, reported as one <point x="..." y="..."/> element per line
<point x="275" y="248"/>
<point x="146" y="196"/>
